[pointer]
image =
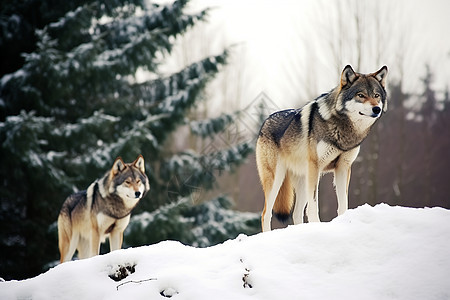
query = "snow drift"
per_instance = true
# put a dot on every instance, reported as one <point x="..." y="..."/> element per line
<point x="379" y="252"/>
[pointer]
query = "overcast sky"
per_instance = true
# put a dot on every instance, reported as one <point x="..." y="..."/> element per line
<point x="285" y="47"/>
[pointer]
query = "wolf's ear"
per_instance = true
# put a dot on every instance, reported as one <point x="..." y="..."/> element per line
<point x="139" y="163"/>
<point x="118" y="166"/>
<point x="381" y="75"/>
<point x="348" y="76"/>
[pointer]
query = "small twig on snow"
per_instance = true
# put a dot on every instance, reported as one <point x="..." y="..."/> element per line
<point x="135" y="281"/>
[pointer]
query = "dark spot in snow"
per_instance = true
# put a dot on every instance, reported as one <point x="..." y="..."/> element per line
<point x="245" y="279"/>
<point x="122" y="272"/>
<point x="168" y="292"/>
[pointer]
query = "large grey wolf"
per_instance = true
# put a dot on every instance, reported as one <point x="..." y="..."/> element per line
<point x="296" y="146"/>
<point x="103" y="210"/>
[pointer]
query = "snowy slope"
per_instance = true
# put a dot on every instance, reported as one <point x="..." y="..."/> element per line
<point x="379" y="252"/>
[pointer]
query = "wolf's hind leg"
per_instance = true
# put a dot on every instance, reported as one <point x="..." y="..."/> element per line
<point x="271" y="195"/>
<point x="67" y="238"/>
<point x="68" y="250"/>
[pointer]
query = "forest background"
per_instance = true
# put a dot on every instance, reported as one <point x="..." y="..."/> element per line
<point x="82" y="83"/>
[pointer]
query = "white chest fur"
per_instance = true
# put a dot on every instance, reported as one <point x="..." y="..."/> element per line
<point x="105" y="221"/>
<point x="326" y="153"/>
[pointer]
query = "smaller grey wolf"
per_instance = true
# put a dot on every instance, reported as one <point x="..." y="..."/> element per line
<point x="103" y="210"/>
<point x="296" y="146"/>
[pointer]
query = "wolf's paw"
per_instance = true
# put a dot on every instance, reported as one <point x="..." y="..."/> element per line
<point x="121" y="272"/>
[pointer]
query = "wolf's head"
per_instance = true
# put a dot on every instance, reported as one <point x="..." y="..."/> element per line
<point x="362" y="96"/>
<point x="129" y="181"/>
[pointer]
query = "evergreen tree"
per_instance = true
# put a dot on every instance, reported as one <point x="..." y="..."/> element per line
<point x="202" y="225"/>
<point x="74" y="106"/>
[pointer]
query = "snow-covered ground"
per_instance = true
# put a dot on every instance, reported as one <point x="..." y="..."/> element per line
<point x="379" y="252"/>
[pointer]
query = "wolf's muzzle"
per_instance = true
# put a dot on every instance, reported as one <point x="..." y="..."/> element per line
<point x="376" y="110"/>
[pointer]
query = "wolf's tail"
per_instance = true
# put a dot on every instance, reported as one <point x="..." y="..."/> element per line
<point x="284" y="203"/>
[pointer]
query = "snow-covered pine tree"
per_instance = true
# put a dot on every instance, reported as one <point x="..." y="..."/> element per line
<point x="74" y="105"/>
<point x="201" y="225"/>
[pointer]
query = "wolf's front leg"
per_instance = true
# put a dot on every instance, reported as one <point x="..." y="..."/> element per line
<point x="300" y="200"/>
<point x="116" y="236"/>
<point x="312" y="185"/>
<point x="95" y="243"/>
<point x="312" y="209"/>
<point x="342" y="178"/>
<point x="115" y="240"/>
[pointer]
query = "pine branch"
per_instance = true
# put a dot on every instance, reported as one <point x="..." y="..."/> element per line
<point x="209" y="127"/>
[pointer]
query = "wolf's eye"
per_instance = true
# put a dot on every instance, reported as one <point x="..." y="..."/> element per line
<point x="360" y="95"/>
<point x="138" y="181"/>
<point x="128" y="182"/>
<point x="377" y="95"/>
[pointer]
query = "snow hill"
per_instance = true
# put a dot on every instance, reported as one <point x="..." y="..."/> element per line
<point x="379" y="252"/>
